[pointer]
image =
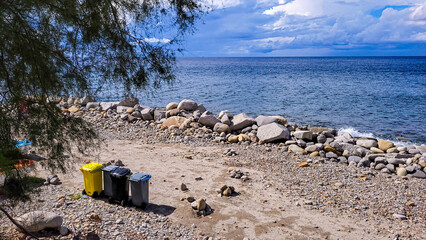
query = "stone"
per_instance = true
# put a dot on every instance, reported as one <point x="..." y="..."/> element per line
<point x="243" y="137"/>
<point x="54" y="181"/>
<point x="354" y="159"/>
<point x="391" y="167"/>
<point x="173" y="112"/>
<point x="241" y="121"/>
<point x="379" y="166"/>
<point x="130" y="110"/>
<point x="314" y="154"/>
<point x="330" y="155"/>
<point x="190" y="199"/>
<point x="86" y="99"/>
<point x="305" y="135"/>
<point x="201" y="204"/>
<point x="384" y="145"/>
<point x="221" y="128"/>
<point x="63" y="230"/>
<point x="321" y="138"/>
<point x="158" y="115"/>
<point x="90" y="105"/>
<point x="263" y="120"/>
<point x="272" y="132"/>
<point x="183" y="187"/>
<point x="422" y="163"/>
<point x="396" y="161"/>
<point x="392" y="150"/>
<point x="122" y="109"/>
<point x="312" y="148"/>
<point x="376" y="150"/>
<point x="418" y="174"/>
<point x="188" y="105"/>
<point x="171" y="106"/>
<point x="227" y="192"/>
<point x="329" y="149"/>
<point x="385" y="170"/>
<point x="208" y="119"/>
<point x="129" y="102"/>
<point x="344" y="137"/>
<point x="410" y="168"/>
<point x="147" y="114"/>
<point x="225" y="112"/>
<point x="296" y="149"/>
<point x="173" y="121"/>
<point x="137" y="114"/>
<point x="108" y="105"/>
<point x="303" y="164"/>
<point x="399" y="216"/>
<point x="401" y="171"/>
<point x="73" y="109"/>
<point x="413" y="151"/>
<point x="366" y="142"/>
<point x="233" y="139"/>
<point x="225" y="119"/>
<point x="39" y="220"/>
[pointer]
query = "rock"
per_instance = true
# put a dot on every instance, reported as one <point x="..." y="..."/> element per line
<point x="312" y="148"/>
<point x="321" y="138"/>
<point x="413" y="151"/>
<point x="314" y="154"/>
<point x="73" y="109"/>
<point x="173" y="112"/>
<point x="391" y="167"/>
<point x="384" y="145"/>
<point x="354" y="159"/>
<point x="241" y="121"/>
<point x="122" y="109"/>
<point x="63" y="230"/>
<point x="187" y="105"/>
<point x="173" y="121"/>
<point x="225" y="112"/>
<point x="39" y="220"/>
<point x="385" y="170"/>
<point x="158" y="115"/>
<point x="263" y="120"/>
<point x="129" y="102"/>
<point x="272" y="132"/>
<point x="108" y="105"/>
<point x="208" y="119"/>
<point x="296" y="149"/>
<point x="171" y="106"/>
<point x="376" y="150"/>
<point x="233" y="139"/>
<point x="366" y="142"/>
<point x="401" y="172"/>
<point x="191" y="199"/>
<point x="90" y="105"/>
<point x="55" y="181"/>
<point x="330" y="155"/>
<point x="399" y="216"/>
<point x="392" y="150"/>
<point x="344" y="137"/>
<point x="225" y="119"/>
<point x="130" y="110"/>
<point x="410" y="168"/>
<point x="201" y="204"/>
<point x="227" y="192"/>
<point x="119" y="163"/>
<point x="396" y="161"/>
<point x="305" y="135"/>
<point x="147" y="114"/>
<point x="243" y="137"/>
<point x="418" y="174"/>
<point x="329" y="149"/>
<point x="183" y="187"/>
<point x="379" y="166"/>
<point x="137" y="114"/>
<point x="303" y="164"/>
<point x="86" y="99"/>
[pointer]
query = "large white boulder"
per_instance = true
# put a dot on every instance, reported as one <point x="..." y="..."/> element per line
<point x="302" y="134"/>
<point x="208" y="119"/>
<point x="187" y="105"/>
<point x="241" y="121"/>
<point x="263" y="120"/>
<point x="272" y="132"/>
<point x="39" y="220"/>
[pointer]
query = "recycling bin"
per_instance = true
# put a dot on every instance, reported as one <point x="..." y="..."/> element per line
<point x="107" y="179"/>
<point x="139" y="185"/>
<point x="92" y="176"/>
<point x="120" y="186"/>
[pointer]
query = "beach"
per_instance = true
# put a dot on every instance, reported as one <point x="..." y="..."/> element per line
<point x="288" y="180"/>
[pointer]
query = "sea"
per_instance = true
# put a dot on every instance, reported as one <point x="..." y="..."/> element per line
<point x="382" y="97"/>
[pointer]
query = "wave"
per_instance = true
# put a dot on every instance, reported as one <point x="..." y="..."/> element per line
<point x="355" y="133"/>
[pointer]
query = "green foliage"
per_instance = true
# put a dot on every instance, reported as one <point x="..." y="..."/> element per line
<point x="17" y="187"/>
<point x="61" y="48"/>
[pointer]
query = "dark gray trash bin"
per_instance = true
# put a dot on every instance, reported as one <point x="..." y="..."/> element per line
<point x="107" y="179"/>
<point x="139" y="184"/>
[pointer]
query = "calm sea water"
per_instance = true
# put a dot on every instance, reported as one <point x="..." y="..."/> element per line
<point x="381" y="96"/>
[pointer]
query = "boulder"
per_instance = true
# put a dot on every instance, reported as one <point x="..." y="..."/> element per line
<point x="281" y="120"/>
<point x="233" y="139"/>
<point x="354" y="159"/>
<point x="296" y="149"/>
<point x="305" y="135"/>
<point x="173" y="112"/>
<point x="225" y="119"/>
<point x="208" y="119"/>
<point x="73" y="109"/>
<point x="39" y="220"/>
<point x="108" y="105"/>
<point x="344" y="137"/>
<point x="376" y="150"/>
<point x="418" y="174"/>
<point x="241" y="121"/>
<point x="225" y="112"/>
<point x="312" y="148"/>
<point x="321" y="138"/>
<point x="243" y="137"/>
<point x="331" y="155"/>
<point x="158" y="115"/>
<point x="129" y="102"/>
<point x="173" y="121"/>
<point x="130" y="110"/>
<point x="220" y="128"/>
<point x="147" y="114"/>
<point x="90" y="105"/>
<point x="396" y="161"/>
<point x="122" y="109"/>
<point x="201" y="108"/>
<point x="86" y="99"/>
<point x="172" y="105"/>
<point x="366" y="142"/>
<point x="187" y="105"/>
<point x="272" y="132"/>
<point x="263" y="120"/>
<point x="384" y="145"/>
<point x="201" y="204"/>
<point x="401" y="172"/>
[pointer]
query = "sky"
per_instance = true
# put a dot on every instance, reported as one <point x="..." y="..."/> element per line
<point x="273" y="28"/>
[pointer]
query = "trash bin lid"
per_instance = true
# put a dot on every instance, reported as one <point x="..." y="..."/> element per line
<point x="109" y="168"/>
<point x="90" y="167"/>
<point x="136" y="177"/>
<point x="120" y="172"/>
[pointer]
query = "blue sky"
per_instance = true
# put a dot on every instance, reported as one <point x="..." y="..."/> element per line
<point x="247" y="28"/>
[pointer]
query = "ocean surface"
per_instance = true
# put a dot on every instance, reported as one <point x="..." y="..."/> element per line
<point x="384" y="97"/>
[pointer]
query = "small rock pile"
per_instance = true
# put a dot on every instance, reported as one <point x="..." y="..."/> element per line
<point x="225" y="190"/>
<point x="238" y="174"/>
<point x="52" y="179"/>
<point x="201" y="208"/>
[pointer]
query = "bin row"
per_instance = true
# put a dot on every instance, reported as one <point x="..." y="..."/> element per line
<point x="116" y="184"/>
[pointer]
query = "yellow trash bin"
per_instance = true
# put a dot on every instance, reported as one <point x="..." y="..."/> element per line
<point x="92" y="175"/>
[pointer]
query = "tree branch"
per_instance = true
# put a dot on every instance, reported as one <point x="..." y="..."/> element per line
<point x="17" y="224"/>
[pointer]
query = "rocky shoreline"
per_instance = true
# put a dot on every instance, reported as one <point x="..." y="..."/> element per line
<point x="188" y="119"/>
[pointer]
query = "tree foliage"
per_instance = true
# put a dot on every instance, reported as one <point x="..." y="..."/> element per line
<point x="65" y="47"/>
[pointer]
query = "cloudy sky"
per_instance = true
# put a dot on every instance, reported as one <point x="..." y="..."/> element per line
<point x="310" y="28"/>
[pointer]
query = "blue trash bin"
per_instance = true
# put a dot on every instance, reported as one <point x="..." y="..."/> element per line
<point x="139" y="185"/>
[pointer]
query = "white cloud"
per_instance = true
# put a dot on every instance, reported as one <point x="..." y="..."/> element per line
<point x="273" y="42"/>
<point x="219" y="4"/>
<point x="156" y="40"/>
